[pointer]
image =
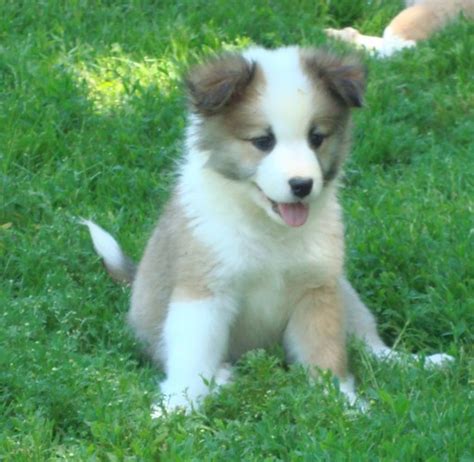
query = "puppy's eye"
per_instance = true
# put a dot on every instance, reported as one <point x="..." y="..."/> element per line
<point x="315" y="139"/>
<point x="264" y="143"/>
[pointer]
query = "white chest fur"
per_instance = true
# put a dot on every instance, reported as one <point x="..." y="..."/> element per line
<point x="266" y="291"/>
<point x="262" y="267"/>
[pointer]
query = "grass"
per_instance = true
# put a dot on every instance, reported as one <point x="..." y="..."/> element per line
<point x="91" y="118"/>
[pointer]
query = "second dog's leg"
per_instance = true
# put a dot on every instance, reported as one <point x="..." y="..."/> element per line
<point x="195" y="340"/>
<point x="351" y="35"/>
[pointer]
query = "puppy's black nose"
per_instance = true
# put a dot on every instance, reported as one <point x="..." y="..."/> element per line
<point x="301" y="187"/>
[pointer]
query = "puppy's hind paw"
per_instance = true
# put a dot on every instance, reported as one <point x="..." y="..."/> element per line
<point x="223" y="375"/>
<point x="438" y="360"/>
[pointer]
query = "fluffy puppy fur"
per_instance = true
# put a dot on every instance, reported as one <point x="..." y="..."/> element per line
<point x="250" y="249"/>
<point x="418" y="21"/>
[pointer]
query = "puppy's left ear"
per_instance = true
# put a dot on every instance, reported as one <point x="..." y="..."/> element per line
<point x="344" y="77"/>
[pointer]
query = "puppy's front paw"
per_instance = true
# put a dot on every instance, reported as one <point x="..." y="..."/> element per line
<point x="176" y="397"/>
<point x="171" y="404"/>
<point x="354" y="403"/>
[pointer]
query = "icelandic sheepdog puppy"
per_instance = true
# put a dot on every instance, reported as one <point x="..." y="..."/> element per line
<point x="249" y="250"/>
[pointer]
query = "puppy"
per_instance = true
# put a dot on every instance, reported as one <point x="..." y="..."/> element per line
<point x="249" y="250"/>
<point x="419" y="21"/>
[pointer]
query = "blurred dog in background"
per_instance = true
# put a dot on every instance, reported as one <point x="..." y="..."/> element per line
<point x="418" y="21"/>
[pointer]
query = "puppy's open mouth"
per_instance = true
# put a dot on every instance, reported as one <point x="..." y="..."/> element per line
<point x="293" y="213"/>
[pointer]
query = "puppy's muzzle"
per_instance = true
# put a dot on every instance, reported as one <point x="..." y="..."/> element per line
<point x="301" y="187"/>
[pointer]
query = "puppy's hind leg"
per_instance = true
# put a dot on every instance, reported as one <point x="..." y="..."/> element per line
<point x="194" y="345"/>
<point x="361" y="323"/>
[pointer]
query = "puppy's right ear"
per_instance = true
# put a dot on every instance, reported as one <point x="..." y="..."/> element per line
<point x="221" y="82"/>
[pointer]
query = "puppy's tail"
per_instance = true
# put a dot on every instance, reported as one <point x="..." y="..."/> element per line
<point x="119" y="266"/>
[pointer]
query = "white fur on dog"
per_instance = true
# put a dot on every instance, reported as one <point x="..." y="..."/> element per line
<point x="195" y="340"/>
<point x="292" y="157"/>
<point x="105" y="245"/>
<point x="391" y="43"/>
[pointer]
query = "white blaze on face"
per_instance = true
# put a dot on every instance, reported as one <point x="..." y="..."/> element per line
<point x="288" y="160"/>
<point x="287" y="104"/>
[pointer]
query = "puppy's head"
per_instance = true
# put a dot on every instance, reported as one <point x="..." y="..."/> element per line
<point x="278" y="120"/>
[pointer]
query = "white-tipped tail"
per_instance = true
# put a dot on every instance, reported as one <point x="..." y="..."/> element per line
<point x="117" y="263"/>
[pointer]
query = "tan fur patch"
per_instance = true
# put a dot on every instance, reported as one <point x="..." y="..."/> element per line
<point x="226" y="135"/>
<point x="219" y="83"/>
<point x="420" y="21"/>
<point x="175" y="266"/>
<point x="343" y="77"/>
<point x="316" y="331"/>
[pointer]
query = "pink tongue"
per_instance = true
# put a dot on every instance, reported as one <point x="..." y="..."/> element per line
<point x="294" y="214"/>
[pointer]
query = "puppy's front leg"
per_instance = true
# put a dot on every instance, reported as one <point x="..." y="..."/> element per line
<point x="315" y="335"/>
<point x="195" y="339"/>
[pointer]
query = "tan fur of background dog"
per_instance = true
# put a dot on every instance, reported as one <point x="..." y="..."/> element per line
<point x="419" y="21"/>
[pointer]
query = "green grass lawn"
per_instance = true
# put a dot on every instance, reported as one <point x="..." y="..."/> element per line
<point x="91" y="118"/>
